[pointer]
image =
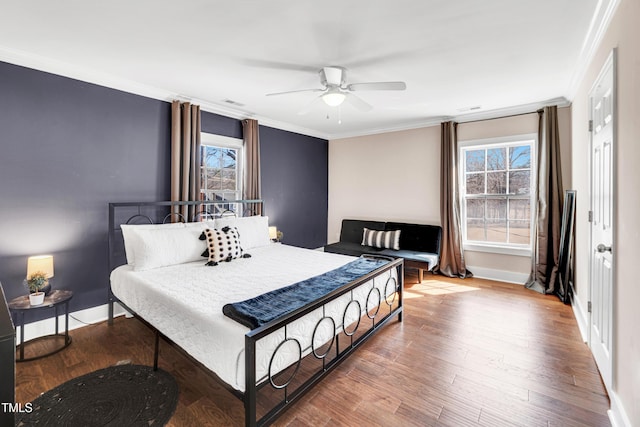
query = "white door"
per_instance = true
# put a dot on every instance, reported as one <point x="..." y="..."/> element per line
<point x="602" y="100"/>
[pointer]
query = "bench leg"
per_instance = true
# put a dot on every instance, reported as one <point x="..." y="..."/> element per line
<point x="420" y="275"/>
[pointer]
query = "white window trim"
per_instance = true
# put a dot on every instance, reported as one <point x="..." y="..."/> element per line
<point x="492" y="247"/>
<point x="497" y="249"/>
<point x="211" y="139"/>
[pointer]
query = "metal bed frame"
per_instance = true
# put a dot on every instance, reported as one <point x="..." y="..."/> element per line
<point x="263" y="404"/>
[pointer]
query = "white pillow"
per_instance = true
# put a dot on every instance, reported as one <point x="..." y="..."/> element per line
<point x="254" y="230"/>
<point x="163" y="247"/>
<point x="196" y="225"/>
<point x="131" y="238"/>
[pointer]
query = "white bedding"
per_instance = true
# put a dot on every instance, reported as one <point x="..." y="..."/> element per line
<point x="185" y="303"/>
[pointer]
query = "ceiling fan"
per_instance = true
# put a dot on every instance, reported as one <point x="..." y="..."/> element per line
<point x="336" y="90"/>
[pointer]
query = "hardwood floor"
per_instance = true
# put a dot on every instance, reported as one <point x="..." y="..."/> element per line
<point x="469" y="352"/>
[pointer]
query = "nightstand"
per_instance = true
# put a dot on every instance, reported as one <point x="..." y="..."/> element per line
<point x="56" y="299"/>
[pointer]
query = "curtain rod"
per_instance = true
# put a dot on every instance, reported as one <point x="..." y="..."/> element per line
<point x="502" y="117"/>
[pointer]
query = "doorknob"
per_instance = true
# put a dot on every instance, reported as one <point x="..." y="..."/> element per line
<point x="602" y="248"/>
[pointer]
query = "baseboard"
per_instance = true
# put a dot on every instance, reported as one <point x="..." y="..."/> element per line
<point x="77" y="319"/>
<point x="617" y="414"/>
<point x="499" y="275"/>
<point x="581" y="317"/>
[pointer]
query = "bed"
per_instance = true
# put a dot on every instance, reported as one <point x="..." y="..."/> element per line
<point x="165" y="272"/>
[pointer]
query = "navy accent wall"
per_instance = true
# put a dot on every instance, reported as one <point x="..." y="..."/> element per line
<point x="220" y="125"/>
<point x="294" y="172"/>
<point x="68" y="148"/>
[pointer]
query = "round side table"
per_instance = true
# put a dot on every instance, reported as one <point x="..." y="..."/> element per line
<point x="56" y="299"/>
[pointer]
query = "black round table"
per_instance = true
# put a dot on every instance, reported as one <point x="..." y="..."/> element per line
<point x="56" y="299"/>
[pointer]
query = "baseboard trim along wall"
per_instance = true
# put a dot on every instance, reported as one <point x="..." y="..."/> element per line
<point x="77" y="319"/>
<point x="617" y="414"/>
<point x="581" y="317"/>
<point x="499" y="275"/>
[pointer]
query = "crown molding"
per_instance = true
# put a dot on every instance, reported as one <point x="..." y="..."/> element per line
<point x="85" y="74"/>
<point x="511" y="111"/>
<point x="426" y="122"/>
<point x="104" y="79"/>
<point x="462" y="118"/>
<point x="600" y="21"/>
<point x="88" y="75"/>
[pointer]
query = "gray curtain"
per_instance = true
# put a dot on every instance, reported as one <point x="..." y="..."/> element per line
<point x="451" y="254"/>
<point x="549" y="194"/>
<point x="252" y="184"/>
<point x="185" y="156"/>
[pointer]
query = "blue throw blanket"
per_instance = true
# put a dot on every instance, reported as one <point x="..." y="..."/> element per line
<point x="264" y="308"/>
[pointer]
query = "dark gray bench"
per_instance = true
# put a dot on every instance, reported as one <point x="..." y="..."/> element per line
<point x="419" y="243"/>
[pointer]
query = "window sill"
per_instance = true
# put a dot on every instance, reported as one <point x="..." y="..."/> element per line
<point x="474" y="247"/>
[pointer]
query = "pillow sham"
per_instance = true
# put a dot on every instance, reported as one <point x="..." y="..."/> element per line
<point x="253" y="230"/>
<point x="223" y="245"/>
<point x="162" y="247"/>
<point x="381" y="239"/>
<point x="131" y="237"/>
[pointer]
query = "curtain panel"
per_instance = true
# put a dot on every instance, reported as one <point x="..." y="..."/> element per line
<point x="549" y="195"/>
<point x="185" y="157"/>
<point x="252" y="183"/>
<point x="452" y="262"/>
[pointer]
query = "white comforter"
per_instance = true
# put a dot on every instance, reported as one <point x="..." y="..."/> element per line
<point x="185" y="303"/>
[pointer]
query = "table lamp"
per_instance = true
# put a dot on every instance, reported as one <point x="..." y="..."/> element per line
<point x="43" y="264"/>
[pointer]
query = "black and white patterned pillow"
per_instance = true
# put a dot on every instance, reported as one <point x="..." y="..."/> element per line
<point x="381" y="239"/>
<point x="223" y="245"/>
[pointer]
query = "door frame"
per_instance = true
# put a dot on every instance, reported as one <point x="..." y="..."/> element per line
<point x="612" y="62"/>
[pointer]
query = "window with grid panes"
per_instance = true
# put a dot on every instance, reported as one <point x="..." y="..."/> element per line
<point x="221" y="165"/>
<point x="496" y="192"/>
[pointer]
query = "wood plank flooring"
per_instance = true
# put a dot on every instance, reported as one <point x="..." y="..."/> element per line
<point x="468" y="353"/>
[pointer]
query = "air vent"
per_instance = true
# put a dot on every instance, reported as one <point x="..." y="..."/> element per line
<point x="231" y="102"/>
<point x="466" y="109"/>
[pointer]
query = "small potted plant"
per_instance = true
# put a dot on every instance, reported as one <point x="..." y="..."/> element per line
<point x="37" y="282"/>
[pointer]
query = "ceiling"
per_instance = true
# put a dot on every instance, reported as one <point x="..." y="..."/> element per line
<point x="460" y="59"/>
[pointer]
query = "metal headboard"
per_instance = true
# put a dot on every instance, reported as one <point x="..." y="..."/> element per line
<point x="163" y="212"/>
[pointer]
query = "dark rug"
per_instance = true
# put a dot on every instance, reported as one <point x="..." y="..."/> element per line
<point x="122" y="395"/>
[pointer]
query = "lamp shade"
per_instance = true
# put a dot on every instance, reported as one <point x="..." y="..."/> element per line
<point x="42" y="263"/>
<point x="273" y="232"/>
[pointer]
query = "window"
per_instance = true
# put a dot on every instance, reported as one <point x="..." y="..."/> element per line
<point x="221" y="165"/>
<point x="497" y="178"/>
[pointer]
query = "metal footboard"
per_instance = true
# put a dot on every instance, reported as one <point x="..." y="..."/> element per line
<point x="283" y="388"/>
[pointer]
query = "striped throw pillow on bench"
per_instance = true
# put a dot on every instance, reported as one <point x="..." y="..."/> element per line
<point x="381" y="239"/>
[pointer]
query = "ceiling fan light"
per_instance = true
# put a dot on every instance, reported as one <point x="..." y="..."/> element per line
<point x="333" y="99"/>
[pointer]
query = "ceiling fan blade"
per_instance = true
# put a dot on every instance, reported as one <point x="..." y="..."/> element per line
<point x="307" y="108"/>
<point x="377" y="86"/>
<point x="357" y="102"/>
<point x="276" y="65"/>
<point x="295" y="91"/>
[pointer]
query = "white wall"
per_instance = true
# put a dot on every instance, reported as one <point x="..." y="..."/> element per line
<point x="391" y="176"/>
<point x="396" y="177"/>
<point x="623" y="33"/>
